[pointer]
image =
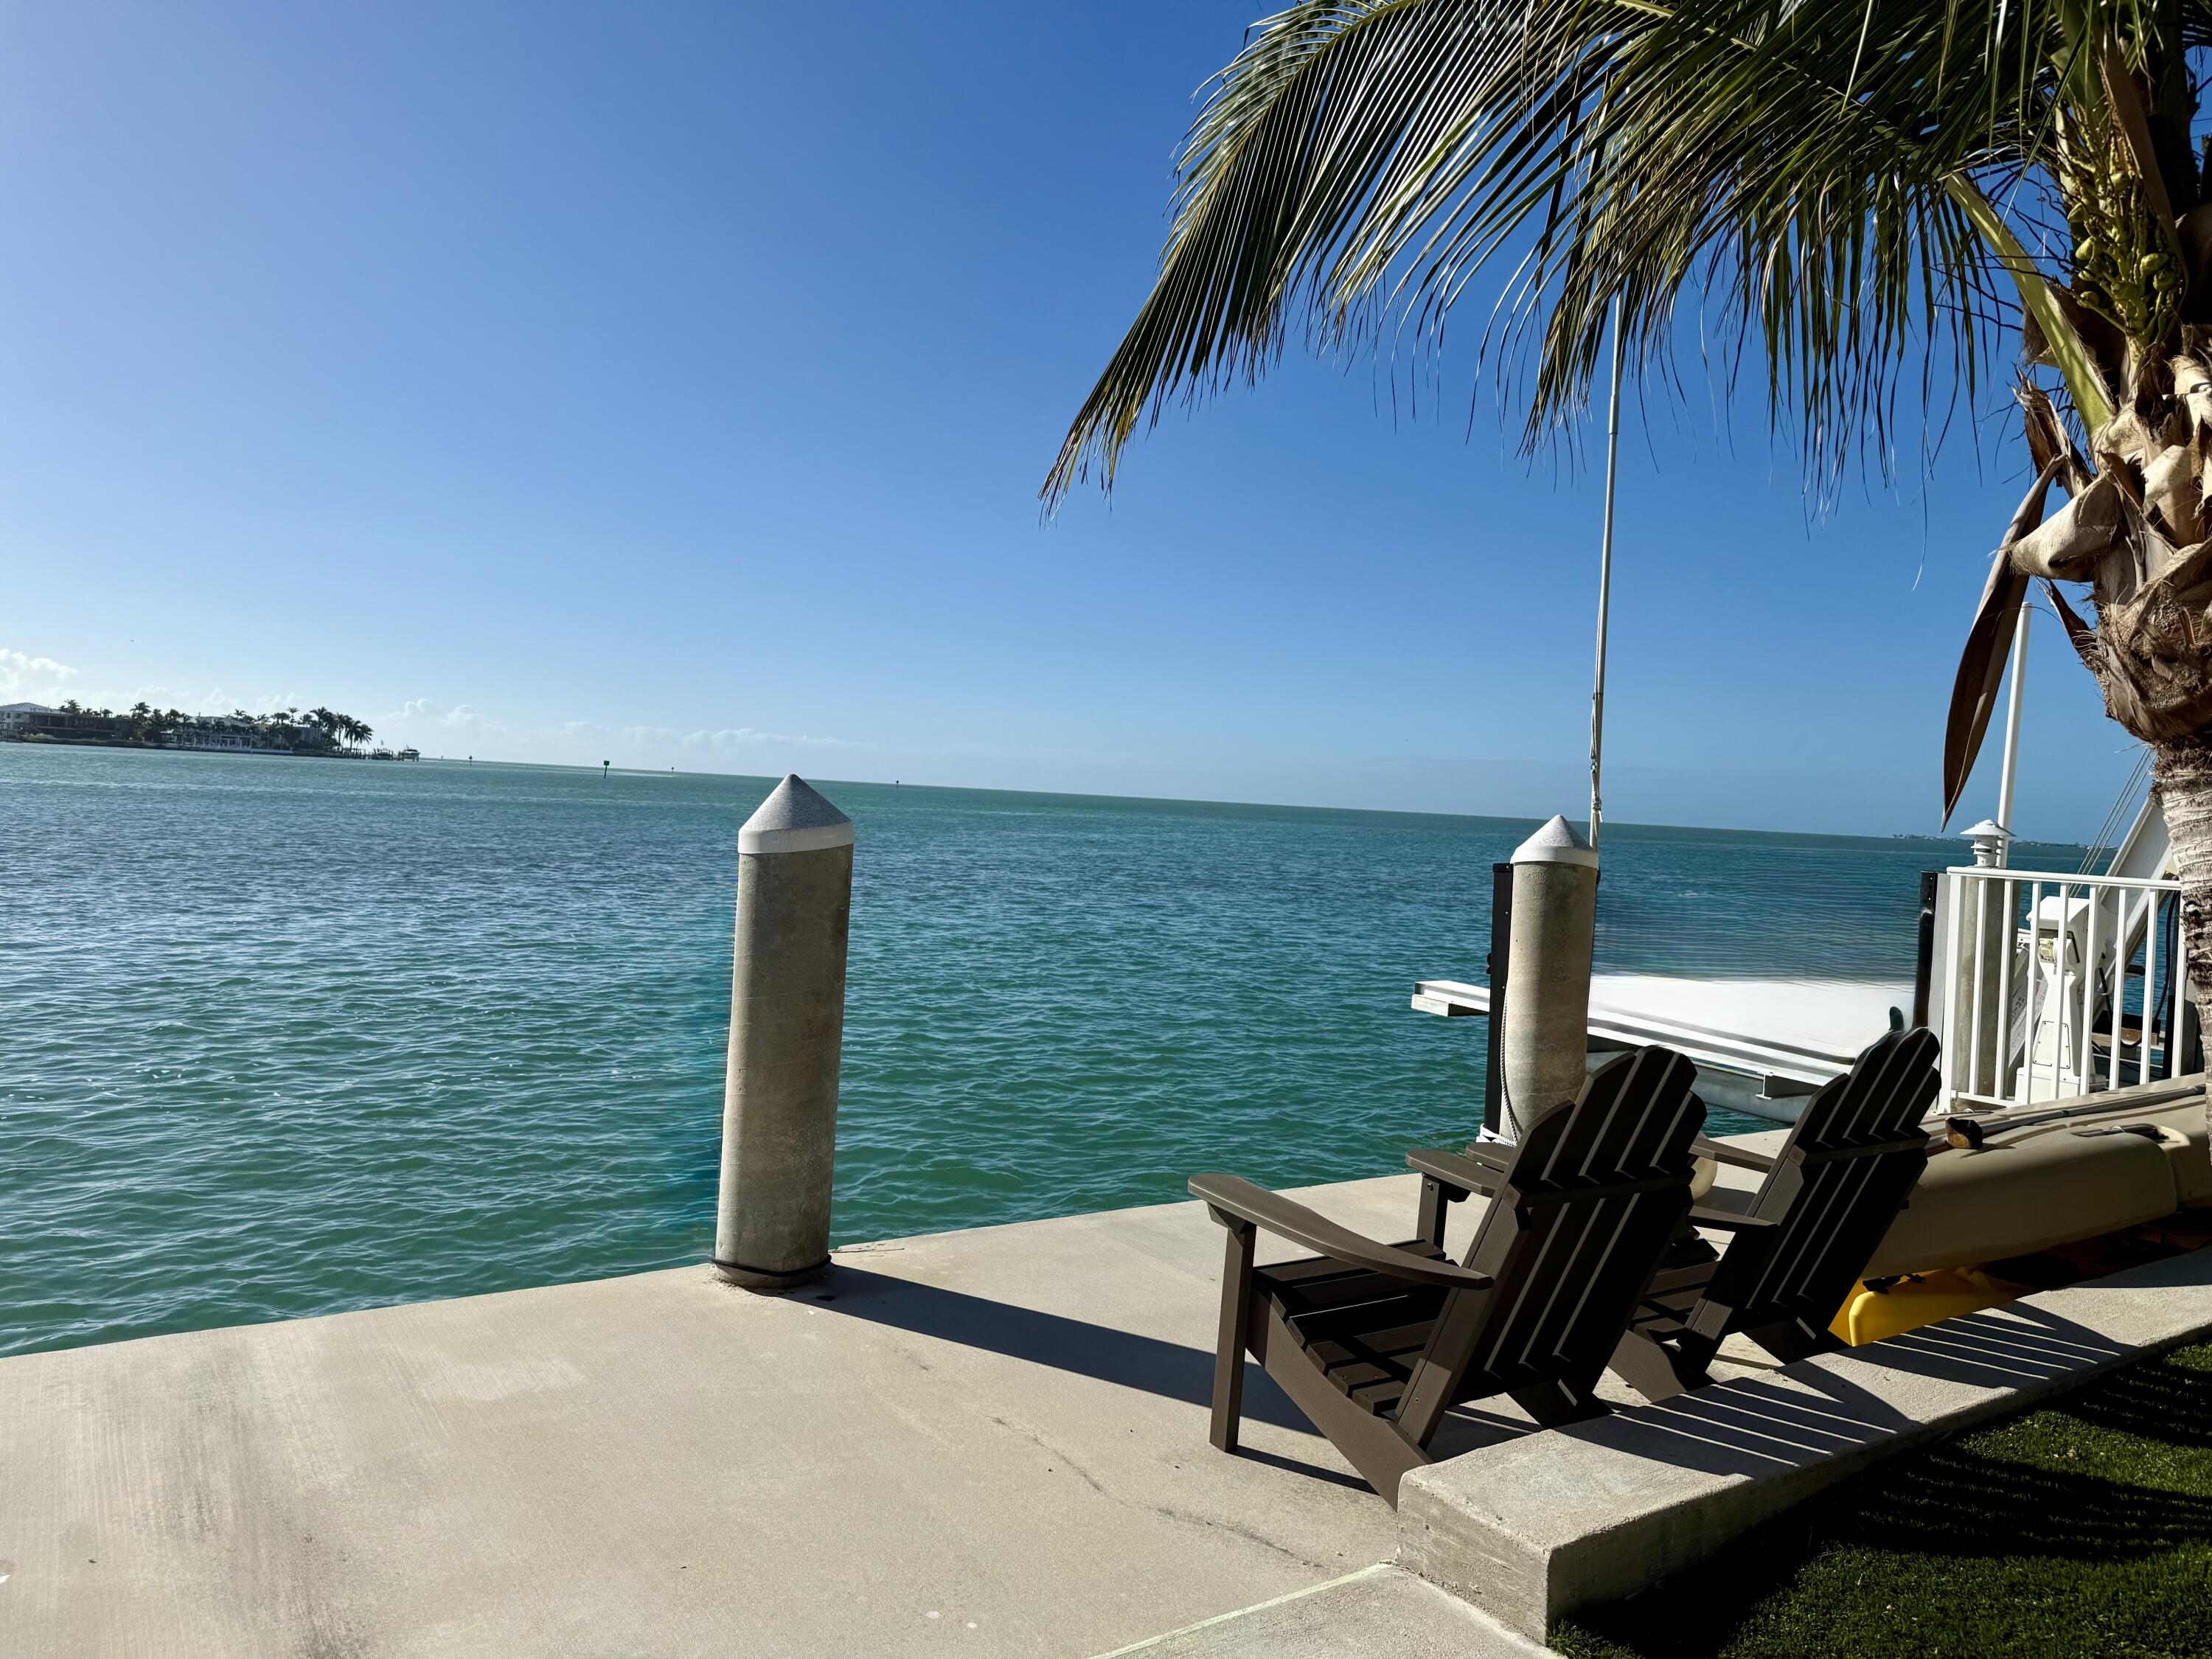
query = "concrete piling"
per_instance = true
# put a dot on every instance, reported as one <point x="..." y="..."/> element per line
<point x="1546" y="1025"/>
<point x="786" y="1030"/>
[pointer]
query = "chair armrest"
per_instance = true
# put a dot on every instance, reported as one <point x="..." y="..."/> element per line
<point x="1727" y="1220"/>
<point x="1741" y="1157"/>
<point x="1233" y="1196"/>
<point x="1462" y="1175"/>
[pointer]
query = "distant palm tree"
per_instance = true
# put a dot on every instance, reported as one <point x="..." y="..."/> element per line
<point x="1868" y="194"/>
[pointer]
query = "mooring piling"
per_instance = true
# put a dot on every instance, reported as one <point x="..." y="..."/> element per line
<point x="787" y="1028"/>
<point x="1546" y="1025"/>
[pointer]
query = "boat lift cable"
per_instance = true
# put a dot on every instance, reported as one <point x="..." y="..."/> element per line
<point x="2108" y="832"/>
<point x="1605" y="585"/>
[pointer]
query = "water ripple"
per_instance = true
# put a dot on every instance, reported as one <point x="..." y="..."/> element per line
<point x="291" y="1037"/>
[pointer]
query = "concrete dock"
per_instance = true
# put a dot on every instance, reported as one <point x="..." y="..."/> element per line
<point x="987" y="1442"/>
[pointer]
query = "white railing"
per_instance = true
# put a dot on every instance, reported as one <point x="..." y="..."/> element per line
<point x="2039" y="972"/>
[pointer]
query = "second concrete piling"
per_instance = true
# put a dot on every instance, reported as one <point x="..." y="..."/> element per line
<point x="1545" y="1028"/>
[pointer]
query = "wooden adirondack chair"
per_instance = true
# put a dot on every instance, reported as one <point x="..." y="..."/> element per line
<point x="1846" y="1168"/>
<point x="1374" y="1343"/>
<point x="1831" y="1192"/>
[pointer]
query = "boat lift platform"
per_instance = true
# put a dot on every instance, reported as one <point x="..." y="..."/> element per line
<point x="1809" y="1030"/>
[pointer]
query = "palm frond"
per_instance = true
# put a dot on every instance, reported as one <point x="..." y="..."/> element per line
<point x="1844" y="187"/>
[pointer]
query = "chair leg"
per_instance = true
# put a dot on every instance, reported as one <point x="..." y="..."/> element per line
<point x="1555" y="1405"/>
<point x="1651" y="1368"/>
<point x="1435" y="1207"/>
<point x="1792" y="1339"/>
<point x="1228" y="1342"/>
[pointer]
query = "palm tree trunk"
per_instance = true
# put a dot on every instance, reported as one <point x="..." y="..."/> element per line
<point x="2183" y="768"/>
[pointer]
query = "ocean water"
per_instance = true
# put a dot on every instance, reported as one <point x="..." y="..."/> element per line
<point x="288" y="1036"/>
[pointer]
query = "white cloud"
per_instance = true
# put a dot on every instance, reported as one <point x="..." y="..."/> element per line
<point x="743" y="737"/>
<point x="438" y="729"/>
<point x="25" y="678"/>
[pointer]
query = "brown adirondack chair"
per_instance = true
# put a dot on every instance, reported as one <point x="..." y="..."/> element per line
<point x="1844" y="1171"/>
<point x="1846" y="1168"/>
<point x="1376" y="1343"/>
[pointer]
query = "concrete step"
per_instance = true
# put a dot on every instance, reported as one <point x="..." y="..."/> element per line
<point x="1379" y="1613"/>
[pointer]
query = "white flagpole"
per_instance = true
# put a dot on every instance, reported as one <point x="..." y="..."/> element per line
<point x="1605" y="585"/>
<point x="2012" y="732"/>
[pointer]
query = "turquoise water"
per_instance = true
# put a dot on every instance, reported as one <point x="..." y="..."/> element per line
<point x="287" y="1037"/>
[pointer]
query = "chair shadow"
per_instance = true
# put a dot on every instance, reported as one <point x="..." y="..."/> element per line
<point x="1808" y="1414"/>
<point x="1125" y="1358"/>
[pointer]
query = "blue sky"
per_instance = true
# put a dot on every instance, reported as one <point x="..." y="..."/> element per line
<point x="671" y="384"/>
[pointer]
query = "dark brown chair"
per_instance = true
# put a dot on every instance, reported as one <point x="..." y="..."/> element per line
<point x="1831" y="1192"/>
<point x="1374" y="1343"/>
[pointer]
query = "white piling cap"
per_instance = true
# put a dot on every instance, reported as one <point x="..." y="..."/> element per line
<point x="794" y="819"/>
<point x="1556" y="843"/>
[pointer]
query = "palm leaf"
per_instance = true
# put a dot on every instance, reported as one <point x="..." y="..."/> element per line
<point x="1989" y="641"/>
<point x="1834" y="185"/>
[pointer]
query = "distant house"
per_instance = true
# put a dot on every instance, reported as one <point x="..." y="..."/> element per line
<point x="221" y="733"/>
<point x="14" y="717"/>
<point x="21" y="720"/>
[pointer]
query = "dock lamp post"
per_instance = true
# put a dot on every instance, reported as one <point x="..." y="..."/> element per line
<point x="786" y="1030"/>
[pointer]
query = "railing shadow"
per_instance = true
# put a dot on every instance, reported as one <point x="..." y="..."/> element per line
<point x="1768" y="1425"/>
<point x="1990" y="1498"/>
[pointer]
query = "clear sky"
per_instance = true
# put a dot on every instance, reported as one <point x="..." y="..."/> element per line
<point x="671" y="384"/>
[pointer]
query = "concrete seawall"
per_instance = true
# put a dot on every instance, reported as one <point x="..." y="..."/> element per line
<point x="988" y="1442"/>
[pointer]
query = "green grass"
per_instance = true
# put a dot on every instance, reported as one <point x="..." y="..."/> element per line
<point x="2084" y="1528"/>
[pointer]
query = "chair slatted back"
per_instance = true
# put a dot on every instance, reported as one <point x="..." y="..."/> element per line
<point x="1843" y="1174"/>
<point x="1597" y="1187"/>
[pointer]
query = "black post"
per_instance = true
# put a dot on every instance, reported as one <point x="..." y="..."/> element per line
<point x="1924" y="970"/>
<point x="1501" y="936"/>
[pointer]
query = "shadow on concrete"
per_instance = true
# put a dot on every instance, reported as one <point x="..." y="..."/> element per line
<point x="1123" y="1358"/>
<point x="1294" y="1466"/>
<point x="1817" y="1412"/>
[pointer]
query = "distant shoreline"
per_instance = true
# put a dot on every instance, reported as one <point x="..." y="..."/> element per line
<point x="43" y="740"/>
<point x="320" y="732"/>
<point x="1871" y="838"/>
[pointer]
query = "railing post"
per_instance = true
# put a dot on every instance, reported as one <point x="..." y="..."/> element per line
<point x="1978" y="1038"/>
<point x="786" y="1030"/>
<point x="1545" y="1040"/>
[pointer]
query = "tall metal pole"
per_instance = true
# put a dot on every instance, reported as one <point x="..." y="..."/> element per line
<point x="2012" y="734"/>
<point x="1605" y="587"/>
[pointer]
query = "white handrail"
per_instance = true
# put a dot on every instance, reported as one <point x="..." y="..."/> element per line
<point x="2133" y="884"/>
<point x="2022" y="1002"/>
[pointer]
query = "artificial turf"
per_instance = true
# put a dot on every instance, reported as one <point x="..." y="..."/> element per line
<point x="2082" y="1528"/>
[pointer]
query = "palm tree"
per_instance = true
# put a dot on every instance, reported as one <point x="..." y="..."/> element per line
<point x="1875" y="196"/>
